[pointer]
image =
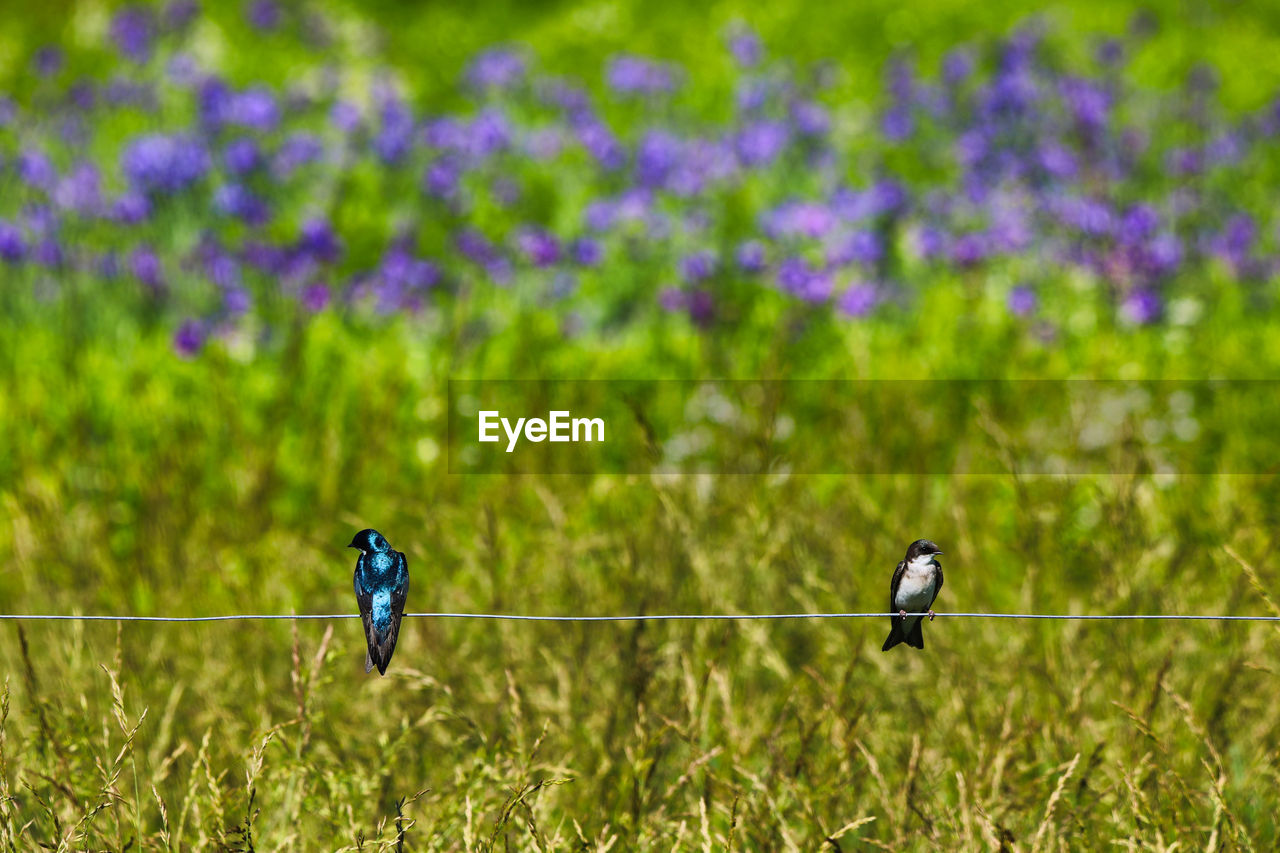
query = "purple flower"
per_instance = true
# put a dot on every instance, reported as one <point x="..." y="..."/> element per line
<point x="13" y="247"/>
<point x="497" y="68"/>
<point x="499" y="269"/>
<point x="861" y="247"/>
<point x="858" y="300"/>
<point x="182" y="71"/>
<point x="180" y="13"/>
<point x="656" y="157"/>
<point x="401" y="278"/>
<point x="1225" y="149"/>
<point x="319" y="241"/>
<point x="1164" y="254"/>
<point x="539" y="247"/>
<point x="1090" y="216"/>
<point x="799" y="279"/>
<point x="750" y="256"/>
<point x="897" y="124"/>
<point x="1138" y="223"/>
<point x="887" y="197"/>
<point x="238" y="201"/>
<point x="799" y="219"/>
<point x="222" y="269"/>
<point x="254" y="108"/>
<point x="345" y="116"/>
<point x="315" y="297"/>
<point x="446" y="133"/>
<point x="145" y="265"/>
<point x="701" y="308"/>
<point x="752" y="94"/>
<point x="190" y="338"/>
<point x="133" y="28"/>
<point x="633" y="75"/>
<point x="1183" y="162"/>
<point x="107" y="266"/>
<point x="1141" y="307"/>
<point x="601" y="144"/>
<point x="1238" y="236"/>
<point x="41" y="219"/>
<point x="967" y="250"/>
<point x="395" y="134"/>
<point x="810" y="118"/>
<point x="760" y="143"/>
<point x="264" y="15"/>
<point x="1089" y="103"/>
<point x="271" y="260"/>
<point x="36" y="170"/>
<point x="298" y="149"/>
<point x="1022" y="301"/>
<point x="1056" y="160"/>
<point x="673" y="299"/>
<point x="213" y="100"/>
<point x="81" y="95"/>
<point x="930" y="242"/>
<point x="49" y="253"/>
<point x="130" y="208"/>
<point x="8" y="110"/>
<point x="474" y="246"/>
<point x="586" y="252"/>
<point x="161" y="164"/>
<point x="489" y="132"/>
<point x="544" y="143"/>
<point x="698" y="266"/>
<point x="49" y="60"/>
<point x="957" y="65"/>
<point x="600" y="215"/>
<point x="241" y="156"/>
<point x="745" y="46"/>
<point x="1110" y="52"/>
<point x="81" y="190"/>
<point x="236" y="300"/>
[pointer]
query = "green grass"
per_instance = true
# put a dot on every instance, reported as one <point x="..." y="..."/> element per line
<point x="152" y="485"/>
<point x="135" y="482"/>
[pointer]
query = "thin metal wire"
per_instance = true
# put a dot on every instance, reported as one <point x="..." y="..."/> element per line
<point x="655" y="617"/>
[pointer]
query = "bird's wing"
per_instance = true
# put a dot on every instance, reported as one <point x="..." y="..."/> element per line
<point x="364" y="599"/>
<point x="937" y="589"/>
<point x="893" y="586"/>
<point x="399" y="593"/>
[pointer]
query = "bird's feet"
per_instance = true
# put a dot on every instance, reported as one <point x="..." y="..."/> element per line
<point x="931" y="615"/>
<point x="902" y="614"/>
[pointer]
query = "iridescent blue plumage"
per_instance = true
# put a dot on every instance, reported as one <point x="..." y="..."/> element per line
<point x="382" y="585"/>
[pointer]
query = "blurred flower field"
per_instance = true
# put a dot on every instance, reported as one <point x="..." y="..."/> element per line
<point x="223" y="207"/>
<point x="244" y="248"/>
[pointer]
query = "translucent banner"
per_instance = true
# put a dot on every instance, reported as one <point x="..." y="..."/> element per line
<point x="864" y="427"/>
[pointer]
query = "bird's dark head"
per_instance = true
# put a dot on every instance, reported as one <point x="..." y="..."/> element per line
<point x="922" y="548"/>
<point x="370" y="540"/>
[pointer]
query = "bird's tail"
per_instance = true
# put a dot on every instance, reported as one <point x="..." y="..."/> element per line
<point x="895" y="637"/>
<point x="916" y="636"/>
<point x="368" y="662"/>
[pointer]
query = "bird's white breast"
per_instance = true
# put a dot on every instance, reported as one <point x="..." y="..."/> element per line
<point x="916" y="589"/>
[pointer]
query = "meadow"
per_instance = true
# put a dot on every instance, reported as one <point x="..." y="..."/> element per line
<point x="244" y="249"/>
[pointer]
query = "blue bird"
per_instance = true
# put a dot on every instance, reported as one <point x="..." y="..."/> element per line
<point x="382" y="585"/>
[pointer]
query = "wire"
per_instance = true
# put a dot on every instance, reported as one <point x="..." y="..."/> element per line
<point x="656" y="617"/>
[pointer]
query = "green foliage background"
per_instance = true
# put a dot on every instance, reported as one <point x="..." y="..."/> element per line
<point x="135" y="482"/>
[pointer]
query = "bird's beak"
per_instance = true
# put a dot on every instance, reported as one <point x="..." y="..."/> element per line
<point x="936" y="553"/>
